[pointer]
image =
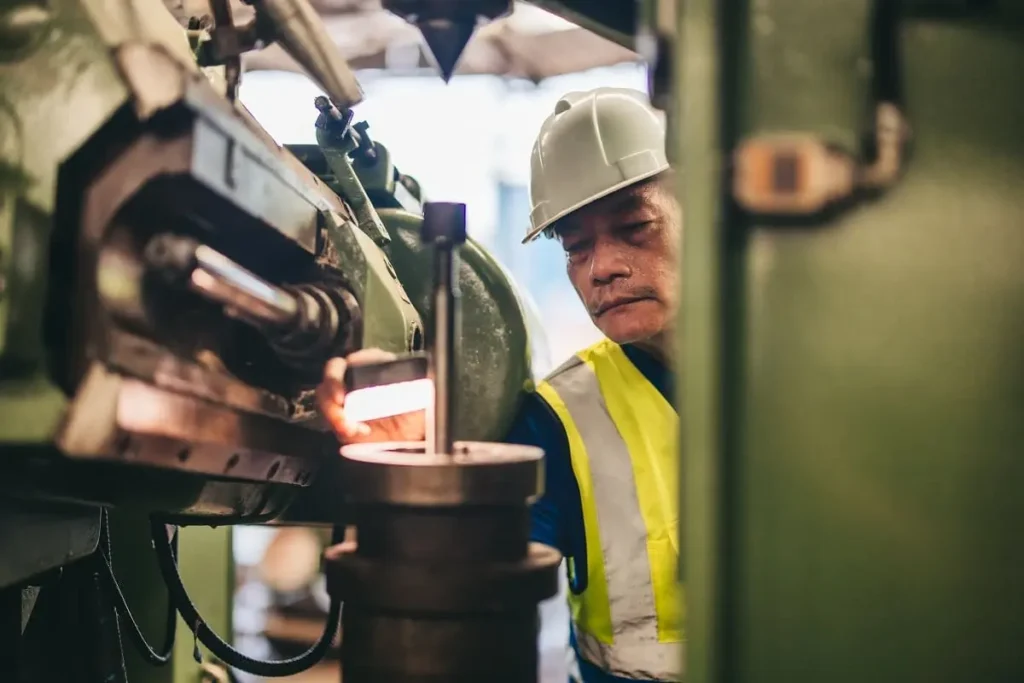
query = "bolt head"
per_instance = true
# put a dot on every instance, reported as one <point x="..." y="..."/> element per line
<point x="444" y="223"/>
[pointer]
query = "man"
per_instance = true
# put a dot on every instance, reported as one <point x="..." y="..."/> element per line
<point x="604" y="418"/>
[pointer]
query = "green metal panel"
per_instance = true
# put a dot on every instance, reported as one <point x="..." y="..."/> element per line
<point x="853" y="392"/>
<point x="695" y="133"/>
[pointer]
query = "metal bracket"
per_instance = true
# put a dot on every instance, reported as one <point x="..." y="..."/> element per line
<point x="338" y="139"/>
<point x="801" y="175"/>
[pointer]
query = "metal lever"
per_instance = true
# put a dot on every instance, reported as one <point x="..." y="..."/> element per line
<point x="303" y="35"/>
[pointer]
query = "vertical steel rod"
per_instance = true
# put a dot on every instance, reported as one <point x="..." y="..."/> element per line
<point x="444" y="226"/>
<point x="444" y="346"/>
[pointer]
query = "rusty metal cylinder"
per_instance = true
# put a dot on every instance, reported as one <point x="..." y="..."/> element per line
<point x="442" y="583"/>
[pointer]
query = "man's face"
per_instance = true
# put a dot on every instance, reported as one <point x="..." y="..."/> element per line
<point x="621" y="258"/>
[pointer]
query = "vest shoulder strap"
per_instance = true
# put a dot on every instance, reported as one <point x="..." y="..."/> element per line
<point x="584" y="356"/>
<point x="571" y="362"/>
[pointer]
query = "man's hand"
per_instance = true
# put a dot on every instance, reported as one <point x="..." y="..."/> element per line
<point x="331" y="399"/>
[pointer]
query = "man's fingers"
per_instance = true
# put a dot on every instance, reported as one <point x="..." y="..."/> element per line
<point x="330" y="394"/>
<point x="335" y="369"/>
<point x="330" y="399"/>
<point x="346" y="429"/>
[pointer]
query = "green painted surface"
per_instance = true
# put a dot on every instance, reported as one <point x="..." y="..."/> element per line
<point x="695" y="131"/>
<point x="807" y="69"/>
<point x="852" y="392"/>
<point x="390" y="321"/>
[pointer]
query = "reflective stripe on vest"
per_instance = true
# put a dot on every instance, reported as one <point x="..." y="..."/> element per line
<point x="622" y="437"/>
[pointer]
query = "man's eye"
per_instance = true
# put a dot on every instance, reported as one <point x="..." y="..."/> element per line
<point x="637" y="231"/>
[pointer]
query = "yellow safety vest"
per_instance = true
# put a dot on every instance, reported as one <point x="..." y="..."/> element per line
<point x="624" y="449"/>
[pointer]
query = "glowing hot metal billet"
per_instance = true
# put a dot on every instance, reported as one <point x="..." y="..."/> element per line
<point x="377" y="390"/>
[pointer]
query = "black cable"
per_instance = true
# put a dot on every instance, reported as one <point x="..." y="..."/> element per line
<point x="134" y="631"/>
<point x="105" y="650"/>
<point x="225" y="652"/>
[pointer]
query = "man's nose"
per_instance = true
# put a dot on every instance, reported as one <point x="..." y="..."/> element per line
<point x="608" y="262"/>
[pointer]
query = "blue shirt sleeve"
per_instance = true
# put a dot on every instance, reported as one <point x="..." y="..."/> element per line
<point x="557" y="516"/>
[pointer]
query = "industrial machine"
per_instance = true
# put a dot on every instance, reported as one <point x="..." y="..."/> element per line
<point x="171" y="284"/>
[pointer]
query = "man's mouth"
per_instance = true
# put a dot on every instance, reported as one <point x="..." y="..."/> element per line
<point x="617" y="303"/>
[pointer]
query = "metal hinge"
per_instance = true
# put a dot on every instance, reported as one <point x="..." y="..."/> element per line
<point x="802" y="175"/>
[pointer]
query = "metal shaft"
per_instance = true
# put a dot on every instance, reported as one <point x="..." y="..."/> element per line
<point x="243" y="294"/>
<point x="444" y="225"/>
<point x="214" y="276"/>
<point x="445" y="302"/>
<point x="304" y="323"/>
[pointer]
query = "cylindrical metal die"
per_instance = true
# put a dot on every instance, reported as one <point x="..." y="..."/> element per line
<point x="442" y="583"/>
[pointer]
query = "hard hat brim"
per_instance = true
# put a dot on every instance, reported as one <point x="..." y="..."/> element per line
<point x="535" y="232"/>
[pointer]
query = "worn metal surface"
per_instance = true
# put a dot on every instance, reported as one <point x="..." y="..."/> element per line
<point x="852" y="390"/>
<point x="341" y="142"/>
<point x="441" y="583"/>
<point x="87" y="329"/>
<point x="298" y="28"/>
<point x="489" y="473"/>
<point x="111" y="392"/>
<point x="120" y="388"/>
<point x="103" y="363"/>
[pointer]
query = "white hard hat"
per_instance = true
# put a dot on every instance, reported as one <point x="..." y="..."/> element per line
<point x="594" y="143"/>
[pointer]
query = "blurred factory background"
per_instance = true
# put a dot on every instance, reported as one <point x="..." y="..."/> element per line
<point x="467" y="141"/>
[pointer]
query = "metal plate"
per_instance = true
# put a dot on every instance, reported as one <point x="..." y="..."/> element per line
<point x="400" y="473"/>
<point x="853" y="468"/>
